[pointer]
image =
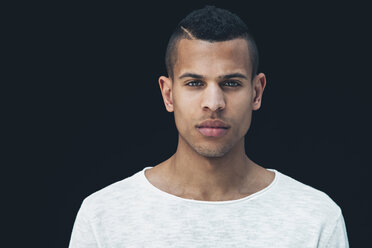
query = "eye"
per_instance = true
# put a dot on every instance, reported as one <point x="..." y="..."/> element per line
<point x="193" y="82"/>
<point x="232" y="83"/>
<point x="228" y="83"/>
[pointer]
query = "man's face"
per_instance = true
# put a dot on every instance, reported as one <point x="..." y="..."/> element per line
<point x="212" y="81"/>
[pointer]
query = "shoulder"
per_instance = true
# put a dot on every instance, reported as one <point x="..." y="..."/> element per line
<point x="113" y="196"/>
<point x="311" y="201"/>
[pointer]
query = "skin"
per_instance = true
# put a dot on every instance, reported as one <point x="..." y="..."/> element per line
<point x="211" y="168"/>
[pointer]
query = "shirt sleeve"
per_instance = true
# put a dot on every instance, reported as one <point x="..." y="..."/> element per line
<point x="338" y="238"/>
<point x="82" y="235"/>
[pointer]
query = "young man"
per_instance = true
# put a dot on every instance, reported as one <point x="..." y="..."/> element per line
<point x="209" y="193"/>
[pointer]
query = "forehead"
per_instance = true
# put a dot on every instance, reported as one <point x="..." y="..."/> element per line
<point x="199" y="56"/>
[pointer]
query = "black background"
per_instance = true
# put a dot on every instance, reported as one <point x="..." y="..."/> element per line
<point x="92" y="113"/>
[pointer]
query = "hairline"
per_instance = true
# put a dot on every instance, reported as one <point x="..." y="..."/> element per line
<point x="172" y="52"/>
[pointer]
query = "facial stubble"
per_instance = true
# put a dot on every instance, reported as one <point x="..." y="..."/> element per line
<point x="211" y="148"/>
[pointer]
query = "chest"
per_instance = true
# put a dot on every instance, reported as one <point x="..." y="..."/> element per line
<point x="177" y="226"/>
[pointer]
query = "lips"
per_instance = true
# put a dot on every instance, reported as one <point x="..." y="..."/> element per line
<point x="213" y="131"/>
<point x="213" y="128"/>
<point x="213" y="124"/>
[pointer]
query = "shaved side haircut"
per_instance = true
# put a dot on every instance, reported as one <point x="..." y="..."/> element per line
<point x="210" y="24"/>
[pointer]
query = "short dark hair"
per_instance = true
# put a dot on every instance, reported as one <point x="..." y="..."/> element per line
<point x="210" y="24"/>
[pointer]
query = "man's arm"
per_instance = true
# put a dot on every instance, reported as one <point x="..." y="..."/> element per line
<point x="82" y="233"/>
<point x="338" y="238"/>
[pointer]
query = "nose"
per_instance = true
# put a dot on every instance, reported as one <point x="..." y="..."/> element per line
<point x="213" y="98"/>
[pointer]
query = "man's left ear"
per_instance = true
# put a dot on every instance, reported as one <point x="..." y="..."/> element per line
<point x="259" y="83"/>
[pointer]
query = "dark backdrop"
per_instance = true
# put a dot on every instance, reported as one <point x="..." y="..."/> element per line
<point x="94" y="113"/>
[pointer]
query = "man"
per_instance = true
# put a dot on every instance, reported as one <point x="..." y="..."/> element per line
<point x="209" y="193"/>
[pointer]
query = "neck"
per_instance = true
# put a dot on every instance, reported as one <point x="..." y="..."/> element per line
<point x="206" y="178"/>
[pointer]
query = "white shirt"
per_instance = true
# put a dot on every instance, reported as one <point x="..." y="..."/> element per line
<point x="134" y="213"/>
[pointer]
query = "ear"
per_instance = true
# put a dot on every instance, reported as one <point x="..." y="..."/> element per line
<point x="259" y="83"/>
<point x="165" y="84"/>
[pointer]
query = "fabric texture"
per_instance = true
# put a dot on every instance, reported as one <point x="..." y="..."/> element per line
<point x="134" y="213"/>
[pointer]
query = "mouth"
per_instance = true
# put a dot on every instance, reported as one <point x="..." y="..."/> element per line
<point x="213" y="131"/>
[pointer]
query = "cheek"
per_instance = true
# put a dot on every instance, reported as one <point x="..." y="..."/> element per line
<point x="184" y="111"/>
<point x="241" y="111"/>
<point x="185" y="102"/>
<point x="241" y="103"/>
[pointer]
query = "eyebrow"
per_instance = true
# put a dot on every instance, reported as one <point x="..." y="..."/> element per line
<point x="227" y="76"/>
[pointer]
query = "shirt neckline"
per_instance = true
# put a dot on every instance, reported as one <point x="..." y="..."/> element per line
<point x="174" y="197"/>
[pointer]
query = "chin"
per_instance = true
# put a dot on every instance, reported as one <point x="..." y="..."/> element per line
<point x="209" y="152"/>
